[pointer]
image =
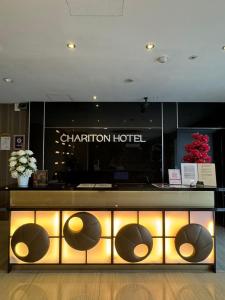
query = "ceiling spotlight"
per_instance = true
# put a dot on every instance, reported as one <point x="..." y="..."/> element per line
<point x="8" y="80"/>
<point x="71" y="45"/>
<point x="149" y="46"/>
<point x="223" y="48"/>
<point x="94" y="97"/>
<point x="162" y="59"/>
<point x="128" y="80"/>
<point x="192" y="57"/>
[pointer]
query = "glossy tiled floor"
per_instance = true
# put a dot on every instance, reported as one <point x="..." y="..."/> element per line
<point x="112" y="286"/>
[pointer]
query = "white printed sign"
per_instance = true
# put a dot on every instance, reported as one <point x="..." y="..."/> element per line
<point x="189" y="172"/>
<point x="5" y="142"/>
<point x="174" y="176"/>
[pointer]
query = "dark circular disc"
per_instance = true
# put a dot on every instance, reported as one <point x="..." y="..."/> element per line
<point x="35" y="238"/>
<point x="129" y="237"/>
<point x="88" y="236"/>
<point x="200" y="239"/>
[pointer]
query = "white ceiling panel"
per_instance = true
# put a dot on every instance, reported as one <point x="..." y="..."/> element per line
<point x="95" y="7"/>
<point x="33" y="51"/>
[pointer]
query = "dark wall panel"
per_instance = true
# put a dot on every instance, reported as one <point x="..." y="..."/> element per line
<point x="201" y="115"/>
<point x="11" y="122"/>
<point x="36" y="131"/>
<point x="103" y="114"/>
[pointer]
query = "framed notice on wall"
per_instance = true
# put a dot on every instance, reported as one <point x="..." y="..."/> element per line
<point x="5" y="142"/>
<point x="18" y="142"/>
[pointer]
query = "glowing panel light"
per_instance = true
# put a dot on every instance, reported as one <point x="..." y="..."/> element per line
<point x="72" y="256"/>
<point x="171" y="254"/>
<point x="19" y="218"/>
<point x="204" y="218"/>
<point x="152" y="220"/>
<point x="49" y="220"/>
<point x="174" y="221"/>
<point x="122" y="218"/>
<point x="52" y="256"/>
<point x="104" y="218"/>
<point x="100" y="253"/>
<point x="156" y="255"/>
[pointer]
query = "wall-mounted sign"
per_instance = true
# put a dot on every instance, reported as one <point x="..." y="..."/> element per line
<point x="18" y="142"/>
<point x="102" y="138"/>
<point x="5" y="142"/>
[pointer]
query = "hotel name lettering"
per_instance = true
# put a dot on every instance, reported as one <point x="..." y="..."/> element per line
<point x="102" y="138"/>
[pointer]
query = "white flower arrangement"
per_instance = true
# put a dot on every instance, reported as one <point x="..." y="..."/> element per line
<point x="22" y="163"/>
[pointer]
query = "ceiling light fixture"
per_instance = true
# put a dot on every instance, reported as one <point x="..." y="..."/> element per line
<point x="71" y="45"/>
<point x="128" y="80"/>
<point x="149" y="46"/>
<point x="94" y="97"/>
<point x="162" y="59"/>
<point x="223" y="48"/>
<point x="8" y="80"/>
<point x="192" y="57"/>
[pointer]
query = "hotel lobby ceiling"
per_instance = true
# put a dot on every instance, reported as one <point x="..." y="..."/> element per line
<point x="110" y="60"/>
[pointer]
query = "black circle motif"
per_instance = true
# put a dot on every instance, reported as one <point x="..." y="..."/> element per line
<point x="128" y="238"/>
<point x="199" y="237"/>
<point x="36" y="239"/>
<point x="88" y="236"/>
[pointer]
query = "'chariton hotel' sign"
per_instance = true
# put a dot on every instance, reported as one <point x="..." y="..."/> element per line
<point x="101" y="138"/>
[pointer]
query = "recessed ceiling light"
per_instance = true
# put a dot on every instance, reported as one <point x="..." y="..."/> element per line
<point x="223" y="48"/>
<point x="149" y="46"/>
<point x="162" y="59"/>
<point x="128" y="80"/>
<point x="8" y="80"/>
<point x="94" y="97"/>
<point x="192" y="57"/>
<point x="71" y="45"/>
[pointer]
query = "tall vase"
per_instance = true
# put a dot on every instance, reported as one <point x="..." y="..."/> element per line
<point x="23" y="181"/>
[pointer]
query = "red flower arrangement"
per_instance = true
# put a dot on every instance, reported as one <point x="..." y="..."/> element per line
<point x="197" y="151"/>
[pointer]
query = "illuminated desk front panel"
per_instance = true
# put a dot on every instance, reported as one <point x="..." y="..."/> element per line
<point x="144" y="234"/>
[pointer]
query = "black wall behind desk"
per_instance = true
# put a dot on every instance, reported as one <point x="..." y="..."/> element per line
<point x="162" y="125"/>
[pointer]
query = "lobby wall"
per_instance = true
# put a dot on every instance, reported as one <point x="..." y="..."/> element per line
<point x="11" y="123"/>
<point x="172" y="121"/>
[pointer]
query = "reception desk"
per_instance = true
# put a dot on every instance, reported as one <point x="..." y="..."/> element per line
<point x="125" y="227"/>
